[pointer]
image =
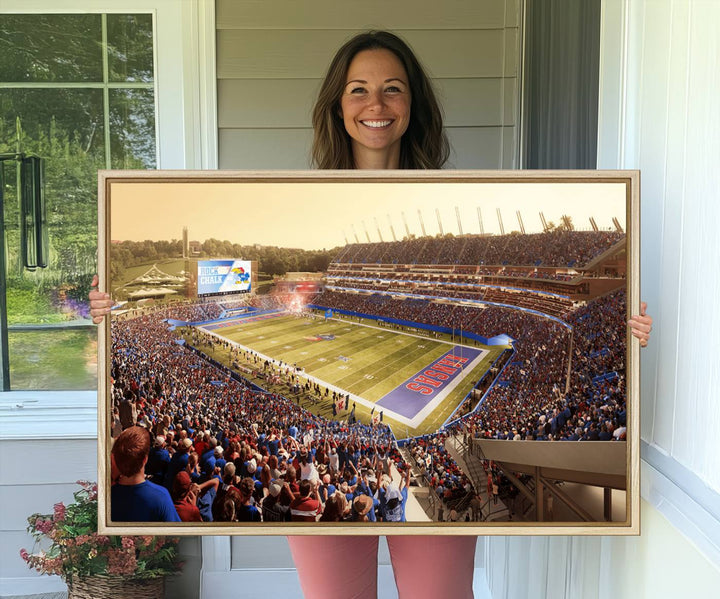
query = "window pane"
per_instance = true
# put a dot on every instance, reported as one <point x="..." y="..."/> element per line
<point x="130" y="47"/>
<point x="132" y="128"/>
<point x="54" y="359"/>
<point x="65" y="127"/>
<point x="50" y="118"/>
<point x="50" y="48"/>
<point x="52" y="343"/>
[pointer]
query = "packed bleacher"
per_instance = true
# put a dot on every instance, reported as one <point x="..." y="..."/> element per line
<point x="530" y="401"/>
<point x="208" y="426"/>
<point x="553" y="304"/>
<point x="556" y="248"/>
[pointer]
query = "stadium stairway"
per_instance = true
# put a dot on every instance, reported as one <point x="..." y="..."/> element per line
<point x="473" y="468"/>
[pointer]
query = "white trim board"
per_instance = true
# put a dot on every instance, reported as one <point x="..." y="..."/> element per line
<point x="679" y="494"/>
<point x="48" y="415"/>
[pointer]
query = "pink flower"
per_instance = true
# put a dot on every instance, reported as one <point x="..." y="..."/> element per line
<point x="53" y="565"/>
<point x="43" y="526"/>
<point x="128" y="543"/>
<point x="121" y="562"/>
<point x="59" y="512"/>
<point x="25" y="555"/>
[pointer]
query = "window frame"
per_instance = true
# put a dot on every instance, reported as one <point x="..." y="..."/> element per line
<point x="186" y="138"/>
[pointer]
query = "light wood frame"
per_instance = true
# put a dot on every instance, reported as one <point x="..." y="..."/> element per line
<point x="108" y="182"/>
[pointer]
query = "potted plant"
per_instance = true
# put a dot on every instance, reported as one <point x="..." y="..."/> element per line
<point x="67" y="544"/>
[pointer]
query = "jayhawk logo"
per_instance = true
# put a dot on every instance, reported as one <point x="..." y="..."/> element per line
<point x="241" y="276"/>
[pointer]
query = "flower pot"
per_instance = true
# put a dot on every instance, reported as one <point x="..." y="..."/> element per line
<point x="116" y="587"/>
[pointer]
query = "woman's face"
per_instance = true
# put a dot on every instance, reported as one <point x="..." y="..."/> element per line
<point x="375" y="104"/>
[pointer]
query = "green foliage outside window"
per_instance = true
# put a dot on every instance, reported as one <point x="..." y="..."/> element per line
<point x="78" y="91"/>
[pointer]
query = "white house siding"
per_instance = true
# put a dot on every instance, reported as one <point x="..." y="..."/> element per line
<point x="271" y="57"/>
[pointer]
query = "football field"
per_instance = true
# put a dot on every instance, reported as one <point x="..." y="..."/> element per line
<point x="415" y="380"/>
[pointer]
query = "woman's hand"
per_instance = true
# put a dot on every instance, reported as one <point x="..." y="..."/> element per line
<point x="641" y="325"/>
<point x="100" y="303"/>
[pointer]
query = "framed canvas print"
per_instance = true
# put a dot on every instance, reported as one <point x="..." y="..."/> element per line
<point x="369" y="352"/>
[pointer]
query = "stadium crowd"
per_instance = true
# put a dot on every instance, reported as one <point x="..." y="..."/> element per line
<point x="530" y="400"/>
<point x="555" y="248"/>
<point x="208" y="426"/>
<point x="226" y="451"/>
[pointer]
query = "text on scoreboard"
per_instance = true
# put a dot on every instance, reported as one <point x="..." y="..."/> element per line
<point x="223" y="276"/>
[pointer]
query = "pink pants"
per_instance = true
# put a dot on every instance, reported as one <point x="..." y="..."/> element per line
<point x="424" y="566"/>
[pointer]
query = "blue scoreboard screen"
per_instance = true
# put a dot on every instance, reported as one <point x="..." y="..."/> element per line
<point x="217" y="277"/>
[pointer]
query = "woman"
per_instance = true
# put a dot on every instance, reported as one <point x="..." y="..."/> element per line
<point x="377" y="110"/>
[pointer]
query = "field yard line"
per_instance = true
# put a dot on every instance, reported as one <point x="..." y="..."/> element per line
<point x="396" y="332"/>
<point x="422" y="357"/>
<point x="353" y="397"/>
<point x="369" y="326"/>
<point x="420" y="416"/>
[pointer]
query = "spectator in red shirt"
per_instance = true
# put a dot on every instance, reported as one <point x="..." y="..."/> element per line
<point x="307" y="507"/>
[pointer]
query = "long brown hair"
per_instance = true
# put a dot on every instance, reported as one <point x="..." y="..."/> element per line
<point x="424" y="144"/>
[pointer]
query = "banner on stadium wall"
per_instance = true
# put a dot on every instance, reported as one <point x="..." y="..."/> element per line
<point x="223" y="276"/>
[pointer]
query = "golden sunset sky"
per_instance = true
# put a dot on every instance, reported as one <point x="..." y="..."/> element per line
<point x="316" y="215"/>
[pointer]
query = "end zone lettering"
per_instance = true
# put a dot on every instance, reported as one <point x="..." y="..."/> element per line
<point x="434" y="377"/>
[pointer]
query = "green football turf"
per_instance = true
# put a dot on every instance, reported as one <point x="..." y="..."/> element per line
<point x="364" y="359"/>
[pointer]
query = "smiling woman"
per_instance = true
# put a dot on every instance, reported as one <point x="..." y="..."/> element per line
<point x="363" y="109"/>
<point x="375" y="108"/>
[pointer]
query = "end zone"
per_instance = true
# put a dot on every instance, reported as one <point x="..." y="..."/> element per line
<point x="412" y="401"/>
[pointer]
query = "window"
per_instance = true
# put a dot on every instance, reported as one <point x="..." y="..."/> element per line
<point x="78" y="90"/>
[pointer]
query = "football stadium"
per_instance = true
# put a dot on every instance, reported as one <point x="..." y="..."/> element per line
<point x="398" y="365"/>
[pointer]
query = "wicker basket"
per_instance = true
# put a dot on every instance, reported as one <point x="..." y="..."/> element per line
<point x="116" y="587"/>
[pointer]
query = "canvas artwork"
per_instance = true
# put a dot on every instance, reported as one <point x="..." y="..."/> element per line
<point x="334" y="353"/>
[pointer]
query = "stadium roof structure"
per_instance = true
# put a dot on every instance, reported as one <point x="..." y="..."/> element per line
<point x="155" y="276"/>
<point x="157" y="292"/>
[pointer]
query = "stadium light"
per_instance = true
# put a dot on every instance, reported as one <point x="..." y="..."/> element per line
<point x="544" y="222"/>
<point x="377" y="226"/>
<point x="500" y="222"/>
<point x="407" y="229"/>
<point x="366" y="231"/>
<point x="391" y="228"/>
